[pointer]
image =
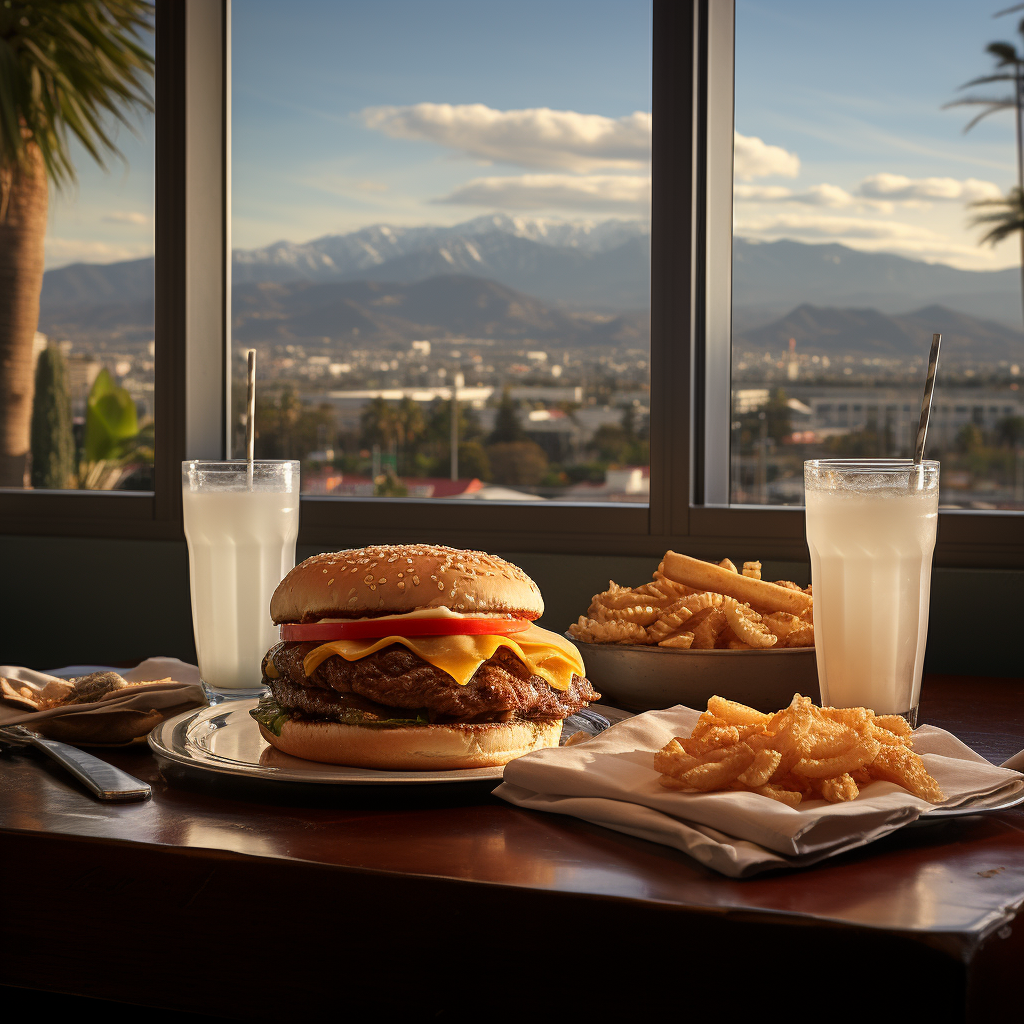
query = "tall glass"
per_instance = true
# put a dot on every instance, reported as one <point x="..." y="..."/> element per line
<point x="871" y="532"/>
<point x="241" y="531"/>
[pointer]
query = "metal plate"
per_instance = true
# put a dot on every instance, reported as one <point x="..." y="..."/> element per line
<point x="225" y="740"/>
<point x="652" y="678"/>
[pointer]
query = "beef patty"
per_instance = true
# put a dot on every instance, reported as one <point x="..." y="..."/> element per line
<point x="502" y="688"/>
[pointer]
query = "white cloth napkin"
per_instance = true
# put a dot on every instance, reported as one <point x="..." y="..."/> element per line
<point x="610" y="780"/>
<point x="183" y="689"/>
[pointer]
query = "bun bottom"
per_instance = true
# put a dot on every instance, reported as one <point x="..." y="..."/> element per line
<point x="413" y="748"/>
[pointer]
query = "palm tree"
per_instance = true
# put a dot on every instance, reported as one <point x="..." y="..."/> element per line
<point x="68" y="69"/>
<point x="1006" y="216"/>
<point x="378" y="423"/>
<point x="1009" y="69"/>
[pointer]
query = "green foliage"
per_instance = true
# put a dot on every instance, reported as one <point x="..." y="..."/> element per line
<point x="439" y="423"/>
<point x="860" y="444"/>
<point x="586" y="472"/>
<point x="517" y="462"/>
<point x="507" y="428"/>
<point x="611" y="444"/>
<point x="286" y="428"/>
<point x="969" y="439"/>
<point x="399" y="427"/>
<point x="1010" y="431"/>
<point x="70" y="68"/>
<point x="473" y="462"/>
<point x="111" y="422"/>
<point x="388" y="485"/>
<point x="53" y="442"/>
<point x="773" y="418"/>
<point x="1006" y="216"/>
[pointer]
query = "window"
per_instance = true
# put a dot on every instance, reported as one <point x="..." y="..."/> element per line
<point x="80" y="406"/>
<point x="691" y="393"/>
<point x="853" y="196"/>
<point x="444" y="268"/>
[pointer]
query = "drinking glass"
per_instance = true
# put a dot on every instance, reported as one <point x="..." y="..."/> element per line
<point x="241" y="524"/>
<point x="871" y="532"/>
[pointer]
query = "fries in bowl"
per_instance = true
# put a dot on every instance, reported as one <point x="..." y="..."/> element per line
<point x="695" y="605"/>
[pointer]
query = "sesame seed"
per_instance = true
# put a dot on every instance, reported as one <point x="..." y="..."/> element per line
<point x="329" y="582"/>
<point x="383" y="579"/>
<point x="440" y="585"/>
<point x="401" y="585"/>
<point x="368" y="578"/>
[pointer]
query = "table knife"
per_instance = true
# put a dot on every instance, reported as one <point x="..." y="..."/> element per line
<point x="104" y="780"/>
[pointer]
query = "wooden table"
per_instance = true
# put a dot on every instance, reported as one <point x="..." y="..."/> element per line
<point x="254" y="902"/>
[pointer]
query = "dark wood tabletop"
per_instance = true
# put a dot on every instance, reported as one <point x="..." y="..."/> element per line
<point x="240" y="899"/>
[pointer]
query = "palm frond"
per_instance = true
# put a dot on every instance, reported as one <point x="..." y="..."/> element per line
<point x="71" y="69"/>
<point x="988" y="80"/>
<point x="991" y="107"/>
<point x="1005" y="52"/>
<point x="1006" y="215"/>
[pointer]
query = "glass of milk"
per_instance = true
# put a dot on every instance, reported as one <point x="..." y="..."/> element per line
<point x="871" y="532"/>
<point x="241" y="528"/>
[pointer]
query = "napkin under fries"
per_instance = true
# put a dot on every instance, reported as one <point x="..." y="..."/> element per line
<point x="611" y="780"/>
<point x="157" y="689"/>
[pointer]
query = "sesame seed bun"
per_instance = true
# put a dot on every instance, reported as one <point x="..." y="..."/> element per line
<point x="413" y="748"/>
<point x="392" y="579"/>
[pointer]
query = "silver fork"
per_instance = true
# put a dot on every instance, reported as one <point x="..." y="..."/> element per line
<point x="104" y="780"/>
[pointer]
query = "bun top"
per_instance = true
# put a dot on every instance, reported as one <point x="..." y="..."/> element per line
<point x="393" y="578"/>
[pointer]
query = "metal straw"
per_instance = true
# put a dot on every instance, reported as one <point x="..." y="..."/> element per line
<point x="926" y="401"/>
<point x="250" y="415"/>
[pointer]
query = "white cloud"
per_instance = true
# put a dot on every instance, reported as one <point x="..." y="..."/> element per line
<point x="762" y="193"/>
<point x="896" y="187"/>
<point x="124" y="217"/>
<point x="816" y="195"/>
<point x="540" y="138"/>
<point x="880" y="193"/>
<point x="598" y="192"/>
<point x="754" y="158"/>
<point x="61" y="251"/>
<point x="863" y="233"/>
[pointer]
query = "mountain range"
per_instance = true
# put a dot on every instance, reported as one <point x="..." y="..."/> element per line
<point x="602" y="265"/>
<point x="867" y="333"/>
<point x="582" y="283"/>
<point x="771" y="278"/>
<point x="375" y="312"/>
<point x="449" y="306"/>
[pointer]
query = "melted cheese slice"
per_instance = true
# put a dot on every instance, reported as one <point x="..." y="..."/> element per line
<point x="545" y="654"/>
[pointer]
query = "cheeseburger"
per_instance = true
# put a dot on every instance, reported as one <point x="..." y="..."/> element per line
<point x="415" y="657"/>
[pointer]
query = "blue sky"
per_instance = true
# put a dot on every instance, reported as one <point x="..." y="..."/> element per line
<point x="855" y="91"/>
<point x="347" y="114"/>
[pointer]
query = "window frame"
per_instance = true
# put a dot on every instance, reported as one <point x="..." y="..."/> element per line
<point x="190" y="288"/>
<point x="691" y="251"/>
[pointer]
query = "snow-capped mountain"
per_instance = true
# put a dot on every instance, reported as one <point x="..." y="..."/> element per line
<point x="578" y="262"/>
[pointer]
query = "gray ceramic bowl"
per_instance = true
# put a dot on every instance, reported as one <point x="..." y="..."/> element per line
<point x="646" y="678"/>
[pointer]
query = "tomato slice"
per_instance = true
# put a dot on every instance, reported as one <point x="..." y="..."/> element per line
<point x="364" y="629"/>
